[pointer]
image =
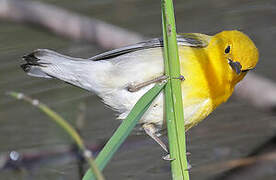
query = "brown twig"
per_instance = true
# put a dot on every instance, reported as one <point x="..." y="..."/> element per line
<point x="237" y="163"/>
<point x="66" y="23"/>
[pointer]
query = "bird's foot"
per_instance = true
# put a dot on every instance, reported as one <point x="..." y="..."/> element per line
<point x="136" y="87"/>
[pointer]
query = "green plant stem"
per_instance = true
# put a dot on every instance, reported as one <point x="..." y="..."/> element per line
<point x="67" y="127"/>
<point x="125" y="128"/>
<point x="173" y="95"/>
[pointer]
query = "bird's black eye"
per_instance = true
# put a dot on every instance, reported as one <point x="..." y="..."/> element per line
<point x="227" y="50"/>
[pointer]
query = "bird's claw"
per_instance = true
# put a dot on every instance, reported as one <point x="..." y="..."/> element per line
<point x="168" y="158"/>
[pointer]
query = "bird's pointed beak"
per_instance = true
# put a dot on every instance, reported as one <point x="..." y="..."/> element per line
<point x="236" y="66"/>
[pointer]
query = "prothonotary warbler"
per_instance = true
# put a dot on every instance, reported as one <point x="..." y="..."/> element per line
<point x="211" y="67"/>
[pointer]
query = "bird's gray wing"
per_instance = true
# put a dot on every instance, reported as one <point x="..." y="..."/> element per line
<point x="187" y="39"/>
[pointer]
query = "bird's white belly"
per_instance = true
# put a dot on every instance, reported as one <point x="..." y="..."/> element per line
<point x="123" y="101"/>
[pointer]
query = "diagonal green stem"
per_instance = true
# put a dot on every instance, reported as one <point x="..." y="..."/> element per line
<point x="66" y="126"/>
<point x="125" y="128"/>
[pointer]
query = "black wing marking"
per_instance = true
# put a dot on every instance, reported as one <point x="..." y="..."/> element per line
<point x="156" y="42"/>
<point x="182" y="40"/>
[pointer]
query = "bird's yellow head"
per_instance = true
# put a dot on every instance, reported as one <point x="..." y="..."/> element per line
<point x="237" y="50"/>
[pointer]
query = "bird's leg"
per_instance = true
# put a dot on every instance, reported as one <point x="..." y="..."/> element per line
<point x="151" y="131"/>
<point x="136" y="87"/>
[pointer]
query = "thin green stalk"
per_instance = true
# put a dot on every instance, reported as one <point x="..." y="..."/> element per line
<point x="125" y="128"/>
<point x="173" y="95"/>
<point x="67" y="127"/>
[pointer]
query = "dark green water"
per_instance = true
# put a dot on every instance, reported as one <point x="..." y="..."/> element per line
<point x="232" y="131"/>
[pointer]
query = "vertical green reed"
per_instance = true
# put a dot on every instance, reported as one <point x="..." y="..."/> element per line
<point x="173" y="95"/>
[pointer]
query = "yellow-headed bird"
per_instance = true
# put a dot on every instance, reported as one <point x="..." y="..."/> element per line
<point x="211" y="66"/>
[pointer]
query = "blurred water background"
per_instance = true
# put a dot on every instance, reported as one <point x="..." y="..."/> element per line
<point x="231" y="132"/>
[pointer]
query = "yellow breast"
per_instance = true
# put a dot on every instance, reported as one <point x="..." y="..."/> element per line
<point x="205" y="86"/>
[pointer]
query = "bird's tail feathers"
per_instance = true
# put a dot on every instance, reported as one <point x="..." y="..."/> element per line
<point x="49" y="64"/>
<point x="39" y="59"/>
